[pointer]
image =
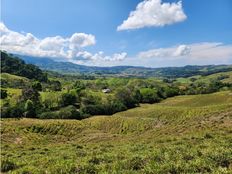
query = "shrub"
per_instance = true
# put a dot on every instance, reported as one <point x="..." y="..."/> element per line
<point x="55" y="85"/>
<point x="7" y="165"/>
<point x="68" y="99"/>
<point x="12" y="111"/>
<point x="69" y="112"/>
<point x="29" y="109"/>
<point x="3" y="94"/>
<point x="136" y="163"/>
<point x="30" y="94"/>
<point x="149" y="95"/>
<point x="112" y="106"/>
<point x="37" y="86"/>
<point x="127" y="97"/>
<point x="92" y="109"/>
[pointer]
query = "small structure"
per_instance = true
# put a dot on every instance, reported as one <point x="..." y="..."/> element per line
<point x="106" y="90"/>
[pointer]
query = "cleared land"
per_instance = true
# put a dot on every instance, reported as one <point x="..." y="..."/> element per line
<point x="184" y="134"/>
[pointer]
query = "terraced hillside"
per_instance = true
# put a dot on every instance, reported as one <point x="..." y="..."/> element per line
<point x="184" y="134"/>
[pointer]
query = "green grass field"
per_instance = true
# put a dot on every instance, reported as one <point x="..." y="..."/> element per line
<point x="184" y="134"/>
<point x="206" y="79"/>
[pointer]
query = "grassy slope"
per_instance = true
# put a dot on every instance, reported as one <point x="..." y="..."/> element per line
<point x="8" y="76"/>
<point x="12" y="96"/>
<point x="208" y="78"/>
<point x="184" y="134"/>
<point x="11" y="80"/>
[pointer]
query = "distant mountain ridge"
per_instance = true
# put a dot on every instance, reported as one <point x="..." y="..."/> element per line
<point x="125" y="71"/>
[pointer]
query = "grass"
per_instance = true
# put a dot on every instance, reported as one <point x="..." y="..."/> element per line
<point x="13" y="95"/>
<point x="184" y="134"/>
<point x="12" y="77"/>
<point x="207" y="79"/>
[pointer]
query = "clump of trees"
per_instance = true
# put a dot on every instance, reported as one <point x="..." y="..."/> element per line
<point x="206" y="88"/>
<point x="68" y="112"/>
<point x="3" y="94"/>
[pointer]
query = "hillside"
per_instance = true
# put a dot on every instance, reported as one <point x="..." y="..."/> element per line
<point x="153" y="138"/>
<point x="14" y="65"/>
<point x="125" y="71"/>
<point x="13" y="81"/>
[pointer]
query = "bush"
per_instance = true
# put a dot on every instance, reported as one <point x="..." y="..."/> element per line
<point x="93" y="109"/>
<point x="55" y="85"/>
<point x="149" y="95"/>
<point x="37" y="86"/>
<point x="68" y="99"/>
<point x="3" y="94"/>
<point x="113" y="106"/>
<point x="7" y="165"/>
<point x="127" y="97"/>
<point x="12" y="112"/>
<point x="30" y="93"/>
<point x="29" y="109"/>
<point x="69" y="112"/>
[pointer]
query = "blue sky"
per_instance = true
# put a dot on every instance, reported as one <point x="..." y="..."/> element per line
<point x="164" y="33"/>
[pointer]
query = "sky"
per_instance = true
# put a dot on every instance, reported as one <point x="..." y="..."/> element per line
<point x="151" y="33"/>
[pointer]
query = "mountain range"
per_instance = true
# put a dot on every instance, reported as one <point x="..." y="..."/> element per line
<point x="125" y="71"/>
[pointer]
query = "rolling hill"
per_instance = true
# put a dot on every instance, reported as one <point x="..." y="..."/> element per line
<point x="184" y="134"/>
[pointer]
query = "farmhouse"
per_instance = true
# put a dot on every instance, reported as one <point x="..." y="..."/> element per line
<point x="106" y="90"/>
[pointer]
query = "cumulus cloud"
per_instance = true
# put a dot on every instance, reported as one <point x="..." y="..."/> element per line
<point x="57" y="46"/>
<point x="101" y="57"/>
<point x="172" y="52"/>
<point x="153" y="13"/>
<point x="48" y="47"/>
<point x="206" y="52"/>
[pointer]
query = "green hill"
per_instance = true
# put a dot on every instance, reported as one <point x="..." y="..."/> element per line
<point x="13" y="65"/>
<point x="184" y="134"/>
<point x="13" y="81"/>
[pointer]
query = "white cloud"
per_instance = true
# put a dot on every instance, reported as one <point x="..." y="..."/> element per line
<point x="81" y="40"/>
<point x="172" y="52"/>
<point x="101" y="57"/>
<point x="197" y="53"/>
<point x="27" y="43"/>
<point x="57" y="47"/>
<point x="153" y="13"/>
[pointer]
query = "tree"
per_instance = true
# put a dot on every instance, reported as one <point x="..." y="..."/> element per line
<point x="127" y="97"/>
<point x="112" y="106"/>
<point x="79" y="85"/>
<point x="29" y="109"/>
<point x="3" y="94"/>
<point x="171" y="91"/>
<point x="55" y="85"/>
<point x="12" y="111"/>
<point x="149" y="95"/>
<point x="30" y="93"/>
<point x="37" y="86"/>
<point x="69" y="112"/>
<point x="68" y="99"/>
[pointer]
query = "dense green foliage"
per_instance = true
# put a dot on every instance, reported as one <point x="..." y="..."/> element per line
<point x="14" y="65"/>
<point x="3" y="94"/>
<point x="69" y="112"/>
<point x="89" y="99"/>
